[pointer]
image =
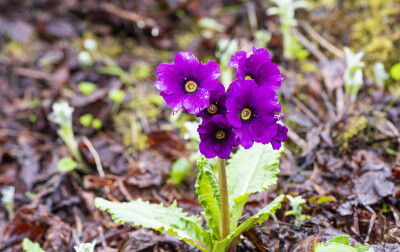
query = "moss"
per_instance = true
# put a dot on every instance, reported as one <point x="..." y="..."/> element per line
<point x="355" y="126"/>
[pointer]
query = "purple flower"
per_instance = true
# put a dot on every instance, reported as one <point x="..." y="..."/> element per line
<point x="280" y="137"/>
<point x="257" y="67"/>
<point x="187" y="83"/>
<point x="251" y="112"/>
<point x="217" y="104"/>
<point x="217" y="137"/>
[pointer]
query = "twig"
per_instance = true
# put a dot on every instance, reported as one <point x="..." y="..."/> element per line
<point x="328" y="104"/>
<point x="371" y="223"/>
<point x="396" y="214"/>
<point x="252" y="15"/>
<point x="296" y="138"/>
<point x="123" y="189"/>
<point x="34" y="74"/>
<point x="101" y="234"/>
<point x="321" y="40"/>
<point x="129" y="15"/>
<point x="306" y="110"/>
<point x="308" y="45"/>
<point x="96" y="160"/>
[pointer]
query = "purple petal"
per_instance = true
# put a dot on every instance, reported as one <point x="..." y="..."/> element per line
<point x="238" y="61"/>
<point x="175" y="100"/>
<point x="187" y="63"/>
<point x="269" y="75"/>
<point x="206" y="148"/>
<point x="196" y="102"/>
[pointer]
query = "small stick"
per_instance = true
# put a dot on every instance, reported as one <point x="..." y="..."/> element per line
<point x="306" y="110"/>
<point x="101" y="234"/>
<point x="96" y="160"/>
<point x="34" y="74"/>
<point x="308" y="45"/>
<point x="321" y="40"/>
<point x="371" y="223"/>
<point x="296" y="138"/>
<point x="129" y="15"/>
<point x="396" y="214"/>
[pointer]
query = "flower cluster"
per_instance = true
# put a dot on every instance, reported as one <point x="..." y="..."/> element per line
<point x="246" y="113"/>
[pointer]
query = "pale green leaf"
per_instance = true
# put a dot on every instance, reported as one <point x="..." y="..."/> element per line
<point x="86" y="87"/>
<point x="236" y="210"/>
<point x="249" y="171"/>
<point x="208" y="194"/>
<point x="342" y="239"/>
<point x="167" y="220"/>
<point x="86" y="119"/>
<point x="395" y="71"/>
<point x="259" y="217"/>
<point x="116" y="95"/>
<point x="30" y="246"/>
<point x="66" y="164"/>
<point x="364" y="248"/>
<point x="334" y="247"/>
<point x="179" y="170"/>
<point x="96" y="124"/>
<point x="341" y="243"/>
<point x="324" y="199"/>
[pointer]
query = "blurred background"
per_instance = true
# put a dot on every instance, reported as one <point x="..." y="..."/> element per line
<point x="340" y="60"/>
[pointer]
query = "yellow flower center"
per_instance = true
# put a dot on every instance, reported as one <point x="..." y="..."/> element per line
<point x="191" y="86"/>
<point x="248" y="77"/>
<point x="220" y="134"/>
<point x="246" y="114"/>
<point x="212" y="109"/>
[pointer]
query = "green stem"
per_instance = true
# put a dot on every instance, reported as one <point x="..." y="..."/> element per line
<point x="223" y="189"/>
<point x="10" y="209"/>
<point x="67" y="136"/>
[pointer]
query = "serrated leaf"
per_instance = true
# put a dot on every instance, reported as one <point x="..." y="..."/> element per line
<point x="365" y="248"/>
<point x="333" y="247"/>
<point x="167" y="220"/>
<point x="259" y="217"/>
<point x="249" y="171"/>
<point x="341" y="243"/>
<point x="208" y="194"/>
<point x="237" y="209"/>
<point x="30" y="246"/>
<point x="342" y="239"/>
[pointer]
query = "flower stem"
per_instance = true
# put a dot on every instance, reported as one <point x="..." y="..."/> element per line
<point x="223" y="189"/>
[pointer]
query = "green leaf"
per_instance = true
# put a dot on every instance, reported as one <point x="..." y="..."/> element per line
<point x="395" y="71"/>
<point x="333" y="247"/>
<point x="179" y="170"/>
<point x="86" y="120"/>
<point x="364" y="248"/>
<point x="341" y="243"/>
<point x="208" y="194"/>
<point x="96" y="124"/>
<point x="117" y="95"/>
<point x="259" y="217"/>
<point x="249" y="171"/>
<point x="30" y="246"/>
<point x="323" y="199"/>
<point x="86" y="87"/>
<point x="167" y="220"/>
<point x="342" y="239"/>
<point x="66" y="164"/>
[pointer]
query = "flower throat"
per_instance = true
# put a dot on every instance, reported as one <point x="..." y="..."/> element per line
<point x="190" y="86"/>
